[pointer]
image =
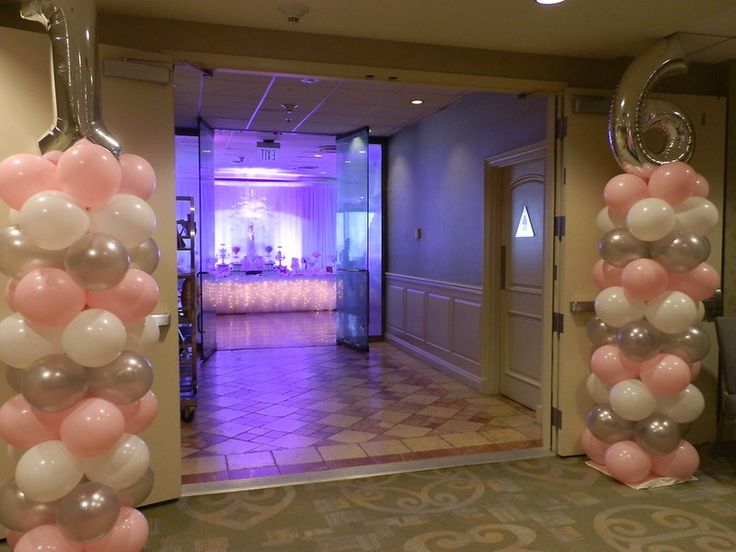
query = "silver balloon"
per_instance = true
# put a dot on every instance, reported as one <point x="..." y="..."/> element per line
<point x="97" y="262"/>
<point x="608" y="426"/>
<point x="138" y="492"/>
<point x="680" y="251"/>
<point x="19" y="513"/>
<point x="125" y="380"/>
<point x="657" y="434"/>
<point x="600" y="333"/>
<point x="145" y="256"/>
<point x="639" y="340"/>
<point x="18" y="256"/>
<point x="88" y="512"/>
<point x="619" y="247"/>
<point x="54" y="383"/>
<point x="14" y="377"/>
<point x="71" y="27"/>
<point x="691" y="345"/>
<point x="633" y="113"/>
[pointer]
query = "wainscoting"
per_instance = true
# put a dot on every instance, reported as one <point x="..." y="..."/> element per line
<point x="438" y="322"/>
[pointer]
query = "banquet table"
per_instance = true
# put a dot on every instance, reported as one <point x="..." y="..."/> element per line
<point x="268" y="292"/>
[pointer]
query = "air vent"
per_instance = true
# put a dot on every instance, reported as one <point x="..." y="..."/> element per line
<point x="327" y="149"/>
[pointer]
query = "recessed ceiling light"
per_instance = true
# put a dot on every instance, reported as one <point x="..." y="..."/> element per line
<point x="549" y="2"/>
<point x="309" y="80"/>
<point x="417" y="101"/>
<point x="318" y="155"/>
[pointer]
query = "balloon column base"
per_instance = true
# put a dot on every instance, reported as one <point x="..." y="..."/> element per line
<point x="652" y="482"/>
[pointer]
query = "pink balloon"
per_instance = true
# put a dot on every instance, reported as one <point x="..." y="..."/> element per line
<point x="23" y="427"/>
<point x="606" y="363"/>
<point x="10" y="287"/>
<point x="53" y="156"/>
<point x="594" y="448"/>
<point x="92" y="427"/>
<point x="140" y="414"/>
<point x="133" y="298"/>
<point x="49" y="296"/>
<point x="622" y="191"/>
<point x="681" y="463"/>
<point x="701" y="188"/>
<point x="695" y="368"/>
<point x="47" y="538"/>
<point x="673" y="182"/>
<point x="129" y="534"/>
<point x="138" y="177"/>
<point x="627" y="462"/>
<point x="89" y="173"/>
<point x="13" y="537"/>
<point x="665" y="374"/>
<point x="699" y="283"/>
<point x="606" y="275"/>
<point x="644" y="279"/>
<point x="23" y="175"/>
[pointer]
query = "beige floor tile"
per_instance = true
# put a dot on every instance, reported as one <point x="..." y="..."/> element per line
<point x="390" y="416"/>
<point x="421" y="398"/>
<point x="328" y="406"/>
<point x="186" y="451"/>
<point x="341" y="452"/>
<point x="458" y="426"/>
<point x="339" y="420"/>
<point x="531" y="431"/>
<point x="516" y="420"/>
<point x="508" y="435"/>
<point x="297" y="456"/>
<point x="499" y="410"/>
<point x="203" y="464"/>
<point x="249" y="460"/>
<point x="382" y="448"/>
<point x="459" y="440"/>
<point x="486" y="401"/>
<point x="374" y="402"/>
<point x="403" y="431"/>
<point x="438" y="411"/>
<point x="349" y="436"/>
<point x="431" y="442"/>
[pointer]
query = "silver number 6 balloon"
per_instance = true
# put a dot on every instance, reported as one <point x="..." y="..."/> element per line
<point x="633" y="112"/>
<point x="71" y="26"/>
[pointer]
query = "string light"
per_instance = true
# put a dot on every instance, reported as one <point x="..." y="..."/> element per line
<point x="288" y="293"/>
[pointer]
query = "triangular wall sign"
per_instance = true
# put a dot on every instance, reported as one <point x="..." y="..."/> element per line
<point x="524" y="229"/>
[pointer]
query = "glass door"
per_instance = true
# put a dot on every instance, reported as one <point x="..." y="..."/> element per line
<point x="352" y="239"/>
<point x="206" y="231"/>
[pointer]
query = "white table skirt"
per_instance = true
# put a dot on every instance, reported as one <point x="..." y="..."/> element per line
<point x="269" y="293"/>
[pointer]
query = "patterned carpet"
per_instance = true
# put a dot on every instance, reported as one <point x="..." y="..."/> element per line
<point x="548" y="504"/>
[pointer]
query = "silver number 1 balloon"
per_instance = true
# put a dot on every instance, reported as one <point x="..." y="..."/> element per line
<point x="71" y="26"/>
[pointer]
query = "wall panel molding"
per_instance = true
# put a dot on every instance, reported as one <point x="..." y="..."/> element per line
<point x="438" y="322"/>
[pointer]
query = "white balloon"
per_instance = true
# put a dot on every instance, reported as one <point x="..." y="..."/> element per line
<point x="672" y="312"/>
<point x="696" y="215"/>
<point x="13" y="217"/>
<point x="53" y="220"/>
<point x="48" y="471"/>
<point x="121" y="466"/>
<point x="93" y="338"/>
<point x="650" y="219"/>
<point x="701" y="310"/>
<point x="632" y="400"/>
<point x="607" y="221"/>
<point x="142" y="335"/>
<point x="22" y="344"/>
<point x="597" y="390"/>
<point x="617" y="309"/>
<point x="127" y="218"/>
<point x="684" y="407"/>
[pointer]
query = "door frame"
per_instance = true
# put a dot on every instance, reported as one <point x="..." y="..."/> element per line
<point x="491" y="296"/>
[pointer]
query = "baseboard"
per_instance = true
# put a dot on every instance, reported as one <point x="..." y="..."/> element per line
<point x="436" y="362"/>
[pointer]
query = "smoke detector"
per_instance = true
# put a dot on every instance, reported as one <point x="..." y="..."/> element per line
<point x="293" y="11"/>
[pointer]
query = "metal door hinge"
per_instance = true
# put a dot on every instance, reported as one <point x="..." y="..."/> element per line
<point x="561" y="128"/>
<point x="558" y="322"/>
<point x="560" y="227"/>
<point x="556" y="418"/>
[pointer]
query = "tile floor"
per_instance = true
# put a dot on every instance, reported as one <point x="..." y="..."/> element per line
<point x="273" y="411"/>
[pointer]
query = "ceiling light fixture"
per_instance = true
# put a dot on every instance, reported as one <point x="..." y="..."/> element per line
<point x="308" y="80"/>
<point x="417" y="101"/>
<point x="289" y="108"/>
<point x="549" y="2"/>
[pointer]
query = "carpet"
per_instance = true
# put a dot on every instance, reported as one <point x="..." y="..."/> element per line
<point x="547" y="504"/>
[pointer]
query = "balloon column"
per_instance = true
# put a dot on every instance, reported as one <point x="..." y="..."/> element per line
<point x="79" y="254"/>
<point x="653" y="277"/>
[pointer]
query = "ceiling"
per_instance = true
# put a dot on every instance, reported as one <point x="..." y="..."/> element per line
<point x="582" y="28"/>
